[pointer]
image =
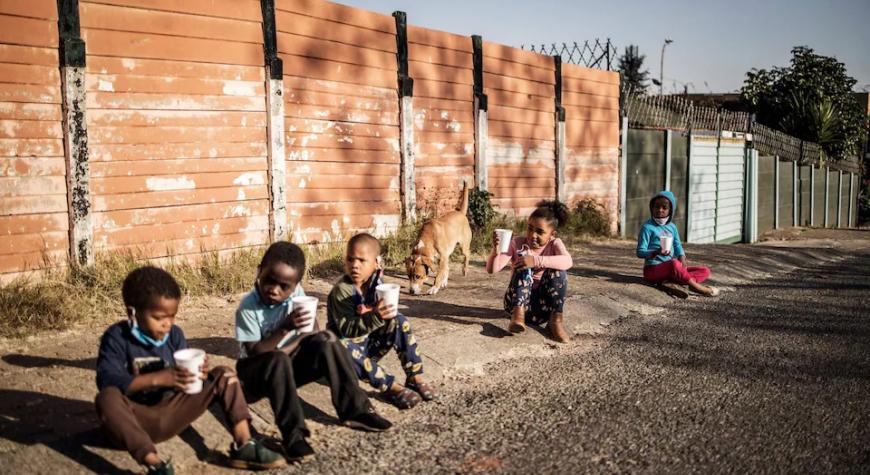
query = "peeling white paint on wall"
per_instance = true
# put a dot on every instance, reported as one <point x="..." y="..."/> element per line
<point x="384" y="223"/>
<point x="301" y="183"/>
<point x="249" y="179"/>
<point x="167" y="184"/>
<point x="239" y="88"/>
<point x="236" y="211"/>
<point x="302" y="170"/>
<point x="128" y="64"/>
<point x="105" y="86"/>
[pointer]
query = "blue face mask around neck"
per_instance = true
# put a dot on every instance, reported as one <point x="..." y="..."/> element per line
<point x="140" y="336"/>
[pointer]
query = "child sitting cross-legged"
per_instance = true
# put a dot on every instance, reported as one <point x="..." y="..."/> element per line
<point x="370" y="328"/>
<point x="276" y="358"/>
<point x="668" y="263"/>
<point x="539" y="278"/>
<point x="142" y="398"/>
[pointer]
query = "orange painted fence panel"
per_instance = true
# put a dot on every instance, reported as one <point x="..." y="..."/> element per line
<point x="521" y="152"/>
<point x="176" y="96"/>
<point x="34" y="222"/>
<point x="176" y="125"/>
<point x="341" y="120"/>
<point x="443" y="71"/>
<point x="591" y="101"/>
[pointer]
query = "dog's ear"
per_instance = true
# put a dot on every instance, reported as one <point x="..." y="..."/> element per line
<point x="427" y="263"/>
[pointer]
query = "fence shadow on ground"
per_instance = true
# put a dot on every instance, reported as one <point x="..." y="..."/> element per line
<point x="31" y="418"/>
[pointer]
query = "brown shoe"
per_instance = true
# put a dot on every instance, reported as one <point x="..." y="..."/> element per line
<point x="556" y="328"/>
<point x="518" y="320"/>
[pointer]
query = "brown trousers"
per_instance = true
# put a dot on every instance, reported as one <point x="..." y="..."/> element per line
<point x="136" y="427"/>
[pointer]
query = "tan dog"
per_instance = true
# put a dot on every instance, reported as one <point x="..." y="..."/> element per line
<point x="435" y="243"/>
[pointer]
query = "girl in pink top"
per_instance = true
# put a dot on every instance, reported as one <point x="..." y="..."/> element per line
<point x="539" y="280"/>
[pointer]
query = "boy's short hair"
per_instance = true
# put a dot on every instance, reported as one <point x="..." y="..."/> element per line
<point x="142" y="285"/>
<point x="286" y="252"/>
<point x="364" y="238"/>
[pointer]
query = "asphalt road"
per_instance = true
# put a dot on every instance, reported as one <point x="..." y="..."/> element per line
<point x="771" y="378"/>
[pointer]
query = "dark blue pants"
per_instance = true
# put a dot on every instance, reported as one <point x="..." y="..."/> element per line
<point x="365" y="351"/>
<point x="540" y="301"/>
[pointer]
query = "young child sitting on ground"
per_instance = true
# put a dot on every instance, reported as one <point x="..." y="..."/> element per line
<point x="267" y="370"/>
<point x="668" y="265"/>
<point x="142" y="398"/>
<point x="539" y="281"/>
<point x="370" y="328"/>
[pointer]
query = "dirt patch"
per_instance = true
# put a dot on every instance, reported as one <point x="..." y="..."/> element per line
<point x="47" y="381"/>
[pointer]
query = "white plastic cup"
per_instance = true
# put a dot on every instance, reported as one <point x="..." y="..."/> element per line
<point x="192" y="360"/>
<point x="667" y="242"/>
<point x="389" y="293"/>
<point x="309" y="304"/>
<point x="504" y="239"/>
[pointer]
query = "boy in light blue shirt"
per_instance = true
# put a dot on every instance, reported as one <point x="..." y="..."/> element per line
<point x="276" y="358"/>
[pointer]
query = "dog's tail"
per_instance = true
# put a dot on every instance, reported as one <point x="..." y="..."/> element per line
<point x="463" y="205"/>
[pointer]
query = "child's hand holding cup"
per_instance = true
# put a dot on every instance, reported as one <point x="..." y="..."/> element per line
<point x="667" y="243"/>
<point x="304" y="313"/>
<point x="388" y="300"/>
<point x="191" y="361"/>
<point x="501" y="240"/>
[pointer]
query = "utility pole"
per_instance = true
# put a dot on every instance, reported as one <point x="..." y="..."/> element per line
<point x="662" y="69"/>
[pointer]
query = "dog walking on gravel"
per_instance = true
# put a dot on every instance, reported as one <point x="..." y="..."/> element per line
<point x="434" y="245"/>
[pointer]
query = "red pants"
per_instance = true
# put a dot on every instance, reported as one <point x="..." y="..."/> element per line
<point x="674" y="271"/>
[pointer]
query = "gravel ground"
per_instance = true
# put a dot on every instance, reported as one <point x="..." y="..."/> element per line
<point x="771" y="378"/>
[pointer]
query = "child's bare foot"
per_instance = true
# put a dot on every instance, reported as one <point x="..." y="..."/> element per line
<point x="402" y="397"/>
<point x="518" y="320"/>
<point x="423" y="388"/>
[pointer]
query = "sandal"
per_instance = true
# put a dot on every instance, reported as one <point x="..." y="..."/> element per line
<point x="424" y="389"/>
<point x="404" y="399"/>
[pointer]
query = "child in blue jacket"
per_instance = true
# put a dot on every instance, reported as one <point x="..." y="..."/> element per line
<point x="668" y="265"/>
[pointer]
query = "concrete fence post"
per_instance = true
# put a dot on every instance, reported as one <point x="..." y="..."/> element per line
<point x="827" y="192"/>
<point x="623" y="175"/>
<point x="561" y="193"/>
<point x="75" y="133"/>
<point x="669" y="135"/>
<point x="775" y="192"/>
<point x="275" y="154"/>
<point x="688" y="183"/>
<point x="812" y="195"/>
<point x="481" y="132"/>
<point x="407" y="185"/>
<point x="795" y="204"/>
<point x="839" y="197"/>
<point x="851" y="197"/>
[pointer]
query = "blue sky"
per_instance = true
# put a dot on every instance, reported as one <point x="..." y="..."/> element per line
<point x="714" y="42"/>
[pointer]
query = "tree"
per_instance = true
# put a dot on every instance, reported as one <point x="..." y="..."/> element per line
<point x="811" y="99"/>
<point x="630" y="67"/>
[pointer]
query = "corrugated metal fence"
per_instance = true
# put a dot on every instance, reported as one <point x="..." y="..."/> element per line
<point x="738" y="187"/>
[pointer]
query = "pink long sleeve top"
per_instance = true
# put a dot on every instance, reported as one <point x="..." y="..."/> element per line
<point x="552" y="256"/>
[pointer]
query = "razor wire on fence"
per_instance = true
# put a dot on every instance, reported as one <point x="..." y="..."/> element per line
<point x="595" y="53"/>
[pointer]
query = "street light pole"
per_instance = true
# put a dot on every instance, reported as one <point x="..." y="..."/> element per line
<point x="662" y="68"/>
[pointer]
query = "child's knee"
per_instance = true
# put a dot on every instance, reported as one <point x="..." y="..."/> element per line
<point x="108" y="400"/>
<point x="224" y="377"/>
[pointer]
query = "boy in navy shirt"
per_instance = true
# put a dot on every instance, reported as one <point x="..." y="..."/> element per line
<point x="142" y="398"/>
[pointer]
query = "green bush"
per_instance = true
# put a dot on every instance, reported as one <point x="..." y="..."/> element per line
<point x="588" y="217"/>
<point x="480" y="210"/>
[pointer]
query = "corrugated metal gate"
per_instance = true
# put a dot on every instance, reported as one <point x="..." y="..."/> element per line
<point x="716" y="191"/>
